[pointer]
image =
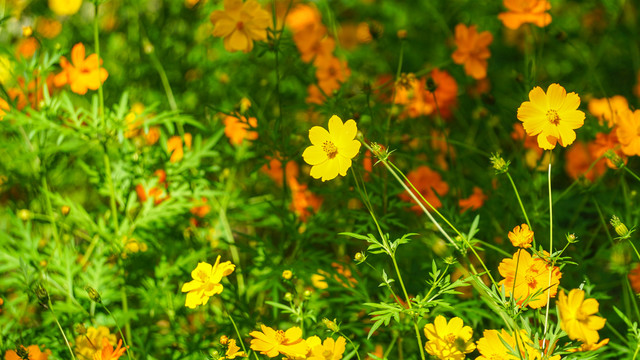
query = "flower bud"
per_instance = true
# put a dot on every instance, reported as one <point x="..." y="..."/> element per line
<point x="499" y="164"/>
<point x="287" y="274"/>
<point x="615" y="159"/>
<point x="42" y="293"/>
<point x="307" y="294"/>
<point x="431" y="84"/>
<point x="402" y="34"/>
<point x="331" y="325"/>
<point x="65" y="209"/>
<point x="93" y="294"/>
<point x="620" y="228"/>
<point x="224" y="339"/>
<point x="24" y="214"/>
<point x="22" y="352"/>
<point x="288" y="296"/>
<point x="450" y="260"/>
<point x="27" y="31"/>
<point x="359" y="257"/>
<point x="572" y="238"/>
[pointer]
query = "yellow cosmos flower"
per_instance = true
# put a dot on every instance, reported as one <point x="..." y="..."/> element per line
<point x="272" y="343"/>
<point x="332" y="150"/>
<point x="577" y="315"/>
<point x="65" y="7"/>
<point x="521" y="236"/>
<point x="86" y="344"/>
<point x="448" y="340"/>
<point x="492" y="347"/>
<point x="552" y="116"/>
<point x="234" y="351"/>
<point x="206" y="282"/>
<point x="240" y="24"/>
<point x="328" y="350"/>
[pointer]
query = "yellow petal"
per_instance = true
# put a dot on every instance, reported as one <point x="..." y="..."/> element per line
<point x="224" y="27"/>
<point x="350" y="150"/>
<point x="335" y="126"/>
<point x="567" y="135"/>
<point x="293" y="334"/>
<point x="347" y="134"/>
<point x="539" y="99"/>
<point x="319" y="170"/>
<point x="556" y="95"/>
<point x="331" y="170"/>
<point x="571" y="102"/>
<point x="202" y="271"/>
<point x="345" y="164"/>
<point x="318" y="135"/>
<point x="238" y="41"/>
<point x="314" y="155"/>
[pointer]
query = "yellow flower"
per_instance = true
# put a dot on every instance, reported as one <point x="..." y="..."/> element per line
<point x="240" y="24"/>
<point x="492" y="347"/>
<point x="332" y="150"/>
<point x="85" y="344"/>
<point x="234" y="351"/>
<point x="328" y="350"/>
<point x="449" y="340"/>
<point x="577" y="315"/>
<point x="272" y="343"/>
<point x="521" y="236"/>
<point x="206" y="282"/>
<point x="5" y="69"/>
<point x="552" y="116"/>
<point x="65" y="7"/>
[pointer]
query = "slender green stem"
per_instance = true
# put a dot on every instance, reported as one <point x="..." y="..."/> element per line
<point x="119" y="330"/>
<point x="112" y="190"/>
<point x="515" y="190"/>
<point x="125" y="309"/>
<point x="236" y="328"/>
<point x="632" y="173"/>
<point x="546" y="315"/>
<point x="96" y="40"/>
<point x="352" y="344"/>
<point x="52" y="219"/>
<point x="55" y="318"/>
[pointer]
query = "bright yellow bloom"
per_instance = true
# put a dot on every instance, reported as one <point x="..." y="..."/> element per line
<point x="332" y="150"/>
<point x="590" y="347"/>
<point x="530" y="275"/>
<point x="206" y="282"/>
<point x="448" y="341"/>
<point x="85" y="345"/>
<point x="328" y="350"/>
<point x="240" y="24"/>
<point x="491" y="347"/>
<point x="272" y="343"/>
<point x="5" y="69"/>
<point x="234" y="351"/>
<point x="577" y="315"/>
<point x="108" y="352"/>
<point x="521" y="236"/>
<point x="65" y="7"/>
<point x="552" y="116"/>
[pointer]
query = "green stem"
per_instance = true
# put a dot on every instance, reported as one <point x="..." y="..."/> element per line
<point x="55" y="318"/>
<point x="112" y="190"/>
<point x="52" y="220"/>
<point x="634" y="249"/>
<point x="235" y="327"/>
<point x="524" y="212"/>
<point x="352" y="344"/>
<point x="96" y="40"/>
<point x="119" y="330"/>
<point x="546" y="315"/>
<point x="632" y="173"/>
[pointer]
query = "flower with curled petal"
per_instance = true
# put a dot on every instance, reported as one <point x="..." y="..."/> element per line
<point x="552" y="116"/>
<point x="332" y="150"/>
<point x="274" y="342"/>
<point x="206" y="282"/>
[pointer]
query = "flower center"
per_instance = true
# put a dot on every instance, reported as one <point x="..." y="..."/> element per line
<point x="531" y="281"/>
<point x="553" y="117"/>
<point x="239" y="25"/>
<point x="450" y="338"/>
<point x="280" y="338"/>
<point x="330" y="149"/>
<point x="581" y="316"/>
<point x="201" y="274"/>
<point x="327" y="354"/>
<point x="495" y="357"/>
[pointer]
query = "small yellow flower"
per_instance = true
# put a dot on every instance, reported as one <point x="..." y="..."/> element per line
<point x="578" y="317"/>
<point x="332" y="150"/>
<point x="65" y="7"/>
<point x="328" y="350"/>
<point x="287" y="274"/>
<point x="552" y="116"/>
<point x="448" y="340"/>
<point x="234" y="351"/>
<point x="521" y="236"/>
<point x="273" y="343"/>
<point x="206" y="282"/>
<point x="240" y="24"/>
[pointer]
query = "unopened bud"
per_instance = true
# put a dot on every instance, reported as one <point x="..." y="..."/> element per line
<point x="359" y="257"/>
<point x="402" y="34"/>
<point x="450" y="260"/>
<point x="80" y="329"/>
<point x="431" y="84"/>
<point x="224" y="339"/>
<point x="620" y="228"/>
<point x="42" y="293"/>
<point x="287" y="274"/>
<point x="93" y="294"/>
<point x="615" y="159"/>
<point x="307" y="294"/>
<point x="288" y="296"/>
<point x="65" y="210"/>
<point x="24" y="214"/>
<point x="499" y="164"/>
<point x="147" y="46"/>
<point x="572" y="238"/>
<point x="331" y="324"/>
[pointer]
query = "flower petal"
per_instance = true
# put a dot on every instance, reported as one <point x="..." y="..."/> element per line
<point x="556" y="96"/>
<point x="314" y="155"/>
<point x="318" y="135"/>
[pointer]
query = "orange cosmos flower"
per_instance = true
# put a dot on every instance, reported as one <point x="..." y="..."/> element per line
<point x="303" y="18"/>
<point x="628" y="131"/>
<point x="552" y="116"/>
<point x="578" y="161"/>
<point x="108" y="352"/>
<point x="473" y="202"/>
<point x="174" y="147"/>
<point x="27" y="47"/>
<point x="331" y="72"/>
<point x="48" y="28"/>
<point x="429" y="183"/>
<point x="34" y="353"/>
<point x="605" y="142"/>
<point x="521" y="236"/>
<point x="473" y="50"/>
<point x="237" y="129"/>
<point x="275" y="342"/>
<point x="304" y="201"/>
<point x="4" y="107"/>
<point x="634" y="278"/>
<point x="608" y="109"/>
<point x="240" y="24"/>
<point x="157" y="192"/>
<point x="274" y="170"/>
<point x="446" y="93"/>
<point x="314" y="95"/>
<point x="525" y="11"/>
<point x="81" y="74"/>
<point x="532" y="276"/>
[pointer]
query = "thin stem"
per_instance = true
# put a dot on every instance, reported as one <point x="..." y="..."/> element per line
<point x="55" y="318"/>
<point x="96" y="40"/>
<point x="632" y="173"/>
<point x="52" y="220"/>
<point x="119" y="330"/>
<point x="236" y="328"/>
<point x="352" y="344"/>
<point x="125" y="309"/>
<point x="515" y="190"/>
<point x="634" y="249"/>
<point x="546" y="315"/>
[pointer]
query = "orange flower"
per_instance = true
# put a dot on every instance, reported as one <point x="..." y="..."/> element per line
<point x="446" y="93"/>
<point x="532" y="277"/>
<point x="27" y="47"/>
<point x="174" y="147"/>
<point x="605" y="142"/>
<point x="473" y="202"/>
<point x="578" y="161"/>
<point x="201" y="209"/>
<point x="108" y="352"/>
<point x="4" y="107"/>
<point x="552" y="116"/>
<point x="521" y="236"/>
<point x="315" y="96"/>
<point x="473" y="50"/>
<point x="628" y="131"/>
<point x="331" y="72"/>
<point x="590" y="347"/>
<point x="240" y="24"/>
<point x="237" y="129"/>
<point x="34" y="353"/>
<point x="319" y="50"/>
<point x="608" y="109"/>
<point x="82" y="74"/>
<point x="303" y="18"/>
<point x="274" y="170"/>
<point x="634" y="278"/>
<point x="428" y="183"/>
<point x="48" y="28"/>
<point x="156" y="192"/>
<point x="525" y="11"/>
<point x="304" y="201"/>
<point x="273" y="343"/>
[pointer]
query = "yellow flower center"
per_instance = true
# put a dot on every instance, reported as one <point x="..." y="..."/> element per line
<point x="330" y="148"/>
<point x="280" y="338"/>
<point x="450" y="338"/>
<point x="239" y="25"/>
<point x="553" y="117"/>
<point x="327" y="354"/>
<point x="531" y="281"/>
<point x="581" y="316"/>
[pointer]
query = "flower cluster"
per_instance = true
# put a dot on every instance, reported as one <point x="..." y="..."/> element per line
<point x="290" y="344"/>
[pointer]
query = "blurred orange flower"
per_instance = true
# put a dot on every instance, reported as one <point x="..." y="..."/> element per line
<point x="428" y="183"/>
<point x="608" y="109"/>
<point x="237" y="129"/>
<point x="157" y="192"/>
<point x="446" y="93"/>
<point x="578" y="161"/>
<point x="304" y="201"/>
<point x="331" y="72"/>
<point x="605" y="142"/>
<point x="473" y="50"/>
<point x="240" y="24"/>
<point x="628" y="131"/>
<point x="175" y="148"/>
<point x="525" y="275"/>
<point x="48" y="28"/>
<point x="108" y="352"/>
<point x="81" y="74"/>
<point x="634" y="278"/>
<point x="303" y="18"/>
<point x="274" y="170"/>
<point x="525" y="11"/>
<point x="4" y="107"/>
<point x="27" y="47"/>
<point x="473" y="202"/>
<point x="34" y="353"/>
